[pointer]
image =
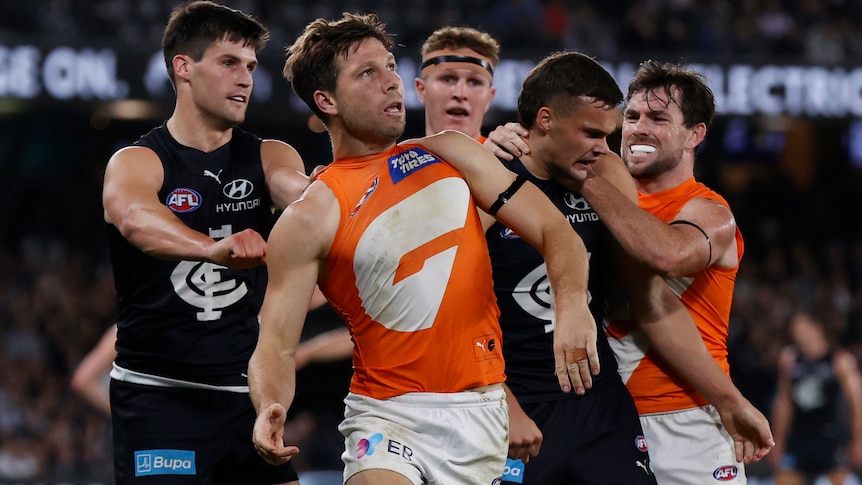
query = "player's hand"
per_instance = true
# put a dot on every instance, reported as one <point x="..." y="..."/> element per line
<point x="314" y="173"/>
<point x="749" y="428"/>
<point x="243" y="250"/>
<point x="508" y="140"/>
<point x="576" y="356"/>
<point x="525" y="438"/>
<point x="268" y="436"/>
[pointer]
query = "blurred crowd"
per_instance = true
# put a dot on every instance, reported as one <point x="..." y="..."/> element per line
<point x="803" y="242"/>
<point x="812" y="31"/>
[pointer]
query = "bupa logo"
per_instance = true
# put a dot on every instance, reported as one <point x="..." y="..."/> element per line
<point x="513" y="471"/>
<point x="725" y="473"/>
<point x="164" y="462"/>
<point x="238" y="189"/>
<point x="640" y="442"/>
<point x="183" y="200"/>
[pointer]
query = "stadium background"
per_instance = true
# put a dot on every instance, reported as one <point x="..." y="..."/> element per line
<point x="78" y="79"/>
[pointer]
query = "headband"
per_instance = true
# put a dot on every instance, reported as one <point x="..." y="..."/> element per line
<point x="472" y="60"/>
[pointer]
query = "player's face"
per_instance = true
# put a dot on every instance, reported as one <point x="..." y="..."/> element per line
<point x="579" y="137"/>
<point x="456" y="95"/>
<point x="369" y="94"/>
<point x="221" y="81"/>
<point x="653" y="134"/>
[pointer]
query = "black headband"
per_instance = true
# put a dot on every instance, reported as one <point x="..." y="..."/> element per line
<point x="472" y="60"/>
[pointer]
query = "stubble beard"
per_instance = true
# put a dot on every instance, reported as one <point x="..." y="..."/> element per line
<point x="651" y="170"/>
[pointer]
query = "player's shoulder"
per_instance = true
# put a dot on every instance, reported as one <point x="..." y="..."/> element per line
<point x="135" y="156"/>
<point x="445" y="137"/>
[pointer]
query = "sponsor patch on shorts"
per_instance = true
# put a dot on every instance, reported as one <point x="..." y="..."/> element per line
<point x="164" y="462"/>
<point x="513" y="471"/>
<point x="725" y="473"/>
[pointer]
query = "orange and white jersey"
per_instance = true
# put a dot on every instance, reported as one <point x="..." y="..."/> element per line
<point x="410" y="274"/>
<point x="707" y="294"/>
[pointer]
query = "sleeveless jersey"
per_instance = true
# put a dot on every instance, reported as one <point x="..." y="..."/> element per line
<point x="707" y="294"/>
<point x="409" y="273"/>
<point x="190" y="320"/>
<point x="817" y="404"/>
<point x="524" y="296"/>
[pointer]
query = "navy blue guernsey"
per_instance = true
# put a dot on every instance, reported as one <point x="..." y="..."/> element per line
<point x="190" y="320"/>
<point x="818" y="404"/>
<point x="523" y="294"/>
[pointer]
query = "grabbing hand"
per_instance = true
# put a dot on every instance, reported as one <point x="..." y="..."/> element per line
<point x="508" y="140"/>
<point x="268" y="436"/>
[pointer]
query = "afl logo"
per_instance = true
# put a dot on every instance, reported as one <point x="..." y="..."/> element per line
<point x="640" y="442"/>
<point x="725" y="473"/>
<point x="576" y="202"/>
<point x="507" y="233"/>
<point x="238" y="189"/>
<point x="183" y="200"/>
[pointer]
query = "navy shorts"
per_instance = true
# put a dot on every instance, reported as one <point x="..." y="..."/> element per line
<point x="815" y="457"/>
<point x="596" y="439"/>
<point x="166" y="435"/>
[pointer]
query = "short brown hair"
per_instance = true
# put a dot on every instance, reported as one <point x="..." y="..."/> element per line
<point x="192" y="28"/>
<point x="310" y="64"/>
<point x="697" y="103"/>
<point x="560" y="79"/>
<point x="460" y="38"/>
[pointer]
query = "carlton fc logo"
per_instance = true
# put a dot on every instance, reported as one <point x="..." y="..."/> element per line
<point x="238" y="189"/>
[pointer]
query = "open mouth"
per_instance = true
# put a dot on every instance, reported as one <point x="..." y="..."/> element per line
<point x="457" y="112"/>
<point x="238" y="99"/>
<point x="394" y="108"/>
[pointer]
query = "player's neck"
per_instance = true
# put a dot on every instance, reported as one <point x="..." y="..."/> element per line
<point x="346" y="146"/>
<point x="666" y="180"/>
<point x="196" y="133"/>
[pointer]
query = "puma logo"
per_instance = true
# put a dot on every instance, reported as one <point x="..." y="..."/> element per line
<point x="207" y="173"/>
<point x="481" y="345"/>
<point x="644" y="465"/>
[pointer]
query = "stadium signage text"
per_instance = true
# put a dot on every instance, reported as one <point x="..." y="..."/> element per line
<point x="64" y="73"/>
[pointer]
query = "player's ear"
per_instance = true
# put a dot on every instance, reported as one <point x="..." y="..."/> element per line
<point x="181" y="65"/>
<point x="696" y="135"/>
<point x="419" y="83"/>
<point x="543" y="119"/>
<point x="325" y="102"/>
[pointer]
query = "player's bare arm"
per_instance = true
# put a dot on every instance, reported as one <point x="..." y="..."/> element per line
<point x="284" y="171"/>
<point x="133" y="178"/>
<point x="673" y="334"/>
<point x="298" y="244"/>
<point x="540" y="223"/>
<point x="675" y="249"/>
<point x="525" y="438"/>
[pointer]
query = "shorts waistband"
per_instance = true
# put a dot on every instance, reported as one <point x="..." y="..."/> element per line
<point x="436" y="399"/>
<point x="125" y="375"/>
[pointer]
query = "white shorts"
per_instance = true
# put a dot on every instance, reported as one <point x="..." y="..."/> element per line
<point x="429" y="438"/>
<point x="691" y="447"/>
